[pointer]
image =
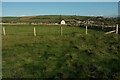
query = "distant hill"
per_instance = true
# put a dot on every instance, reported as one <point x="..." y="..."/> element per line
<point x="58" y="18"/>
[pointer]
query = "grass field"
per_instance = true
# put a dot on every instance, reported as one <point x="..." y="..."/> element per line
<point x="49" y="55"/>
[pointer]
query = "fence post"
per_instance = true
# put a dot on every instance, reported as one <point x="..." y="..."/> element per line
<point x="112" y="27"/>
<point x="86" y="29"/>
<point x="61" y="30"/>
<point x="117" y="29"/>
<point x="4" y="33"/>
<point x="102" y="26"/>
<point x="34" y="31"/>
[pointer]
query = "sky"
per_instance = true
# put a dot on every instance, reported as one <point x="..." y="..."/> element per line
<point x="107" y="9"/>
<point x="60" y="0"/>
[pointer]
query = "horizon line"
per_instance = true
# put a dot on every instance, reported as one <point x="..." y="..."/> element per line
<point x="61" y="15"/>
<point x="62" y="1"/>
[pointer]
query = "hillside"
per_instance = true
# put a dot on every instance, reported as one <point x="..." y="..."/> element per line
<point x="50" y="55"/>
<point x="57" y="18"/>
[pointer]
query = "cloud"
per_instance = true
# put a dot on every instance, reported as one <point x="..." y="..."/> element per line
<point x="22" y="15"/>
<point x="99" y="15"/>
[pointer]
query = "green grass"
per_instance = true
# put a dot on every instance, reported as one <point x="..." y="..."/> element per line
<point x="57" y="19"/>
<point x="49" y="55"/>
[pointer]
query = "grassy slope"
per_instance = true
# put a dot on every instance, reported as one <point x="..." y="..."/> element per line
<point x="58" y="18"/>
<point x="74" y="55"/>
<point x="46" y="18"/>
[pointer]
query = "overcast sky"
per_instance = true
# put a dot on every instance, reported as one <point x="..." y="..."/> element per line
<point x="60" y="0"/>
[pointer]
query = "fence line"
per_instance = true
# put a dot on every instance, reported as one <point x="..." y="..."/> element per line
<point x="61" y="31"/>
<point x="110" y="32"/>
<point x="113" y="30"/>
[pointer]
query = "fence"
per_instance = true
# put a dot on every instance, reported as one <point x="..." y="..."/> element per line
<point x="108" y="30"/>
<point x="86" y="30"/>
<point x="113" y="30"/>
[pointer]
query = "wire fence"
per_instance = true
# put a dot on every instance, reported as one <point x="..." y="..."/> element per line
<point x="36" y="31"/>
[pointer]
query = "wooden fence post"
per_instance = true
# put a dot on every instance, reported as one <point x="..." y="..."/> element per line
<point x="34" y="31"/>
<point x="4" y="32"/>
<point x="117" y="29"/>
<point x="86" y="29"/>
<point x="112" y="27"/>
<point x="110" y="32"/>
<point x="61" y="30"/>
<point x="102" y="26"/>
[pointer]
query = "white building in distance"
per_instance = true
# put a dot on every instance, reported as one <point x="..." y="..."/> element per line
<point x="62" y="22"/>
